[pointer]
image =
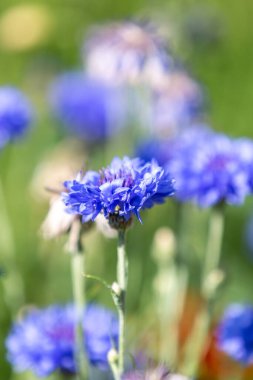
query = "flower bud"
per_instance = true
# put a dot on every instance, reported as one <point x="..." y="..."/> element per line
<point x="112" y="356"/>
<point x="116" y="289"/>
<point x="57" y="221"/>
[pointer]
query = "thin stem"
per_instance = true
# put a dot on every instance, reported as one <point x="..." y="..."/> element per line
<point x="13" y="285"/>
<point x="122" y="275"/>
<point x="210" y="282"/>
<point x="214" y="242"/>
<point x="78" y="284"/>
<point x="182" y="271"/>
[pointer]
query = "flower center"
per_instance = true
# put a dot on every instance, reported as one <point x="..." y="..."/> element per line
<point x="108" y="175"/>
<point x="218" y="163"/>
<point x="62" y="333"/>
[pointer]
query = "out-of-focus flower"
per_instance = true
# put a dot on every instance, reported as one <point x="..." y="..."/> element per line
<point x="24" y="26"/>
<point x="212" y="173"/>
<point x="163" y="150"/>
<point x="43" y="342"/>
<point x="90" y="109"/>
<point x="122" y="189"/>
<point x="177" y="103"/>
<point x="208" y="167"/>
<point x="159" y="373"/>
<point x="103" y="226"/>
<point x="235" y="333"/>
<point x="56" y="165"/>
<point x="15" y="114"/>
<point x="57" y="221"/>
<point x="126" y="52"/>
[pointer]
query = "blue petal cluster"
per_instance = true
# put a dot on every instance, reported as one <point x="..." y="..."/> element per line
<point x="208" y="167"/>
<point x="88" y="108"/>
<point x="235" y="333"/>
<point x="43" y="341"/>
<point x="123" y="188"/>
<point x="15" y="114"/>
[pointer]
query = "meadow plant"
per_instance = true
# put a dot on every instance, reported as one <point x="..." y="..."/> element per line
<point x="185" y="160"/>
<point x="119" y="191"/>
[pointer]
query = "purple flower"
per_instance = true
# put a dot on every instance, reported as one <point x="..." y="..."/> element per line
<point x="43" y="341"/>
<point x="123" y="188"/>
<point x="126" y="52"/>
<point x="208" y="167"/>
<point x="15" y="114"/>
<point x="88" y="108"/>
<point x="235" y="333"/>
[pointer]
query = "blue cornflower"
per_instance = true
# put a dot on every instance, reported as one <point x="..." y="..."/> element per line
<point x="209" y="170"/>
<point x="43" y="341"/>
<point x="122" y="189"/>
<point x="235" y="333"/>
<point x="127" y="52"/>
<point x="88" y="108"/>
<point x="15" y="114"/>
<point x="208" y="167"/>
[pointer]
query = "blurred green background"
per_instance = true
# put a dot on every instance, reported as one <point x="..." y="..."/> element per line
<point x="217" y="48"/>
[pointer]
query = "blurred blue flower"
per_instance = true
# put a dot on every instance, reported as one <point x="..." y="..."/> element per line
<point x="164" y="150"/>
<point x="177" y="103"/>
<point x="15" y="114"/>
<point x="88" y="108"/>
<point x="209" y="170"/>
<point x="208" y="167"/>
<point x="123" y="188"/>
<point x="235" y="333"/>
<point x="43" y="341"/>
<point x="126" y="52"/>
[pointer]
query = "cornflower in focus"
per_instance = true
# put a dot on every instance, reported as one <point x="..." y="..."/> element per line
<point x="15" y="114"/>
<point x="126" y="52"/>
<point x="122" y="189"/>
<point x="90" y="109"/>
<point x="43" y="342"/>
<point x="235" y="333"/>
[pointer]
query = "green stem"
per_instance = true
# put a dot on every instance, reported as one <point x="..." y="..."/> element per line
<point x="122" y="275"/>
<point x="78" y="285"/>
<point x="214" y="242"/>
<point x="182" y="271"/>
<point x="13" y="286"/>
<point x="210" y="283"/>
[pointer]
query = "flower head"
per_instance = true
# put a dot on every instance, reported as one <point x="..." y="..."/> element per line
<point x="208" y="167"/>
<point x="235" y="333"/>
<point x="43" y="341"/>
<point x="126" y="52"/>
<point x="15" y="114"/>
<point x="122" y="189"/>
<point x="213" y="172"/>
<point x="88" y="108"/>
